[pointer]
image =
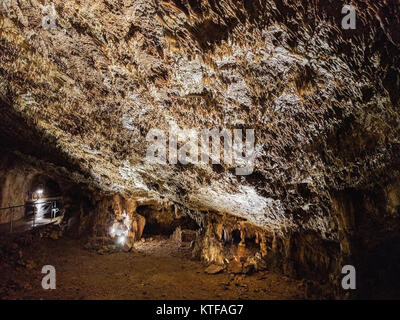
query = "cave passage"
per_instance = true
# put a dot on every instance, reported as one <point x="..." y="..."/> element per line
<point x="43" y="205"/>
<point x="164" y="222"/>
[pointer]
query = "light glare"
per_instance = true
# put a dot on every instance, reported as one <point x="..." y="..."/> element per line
<point x="122" y="240"/>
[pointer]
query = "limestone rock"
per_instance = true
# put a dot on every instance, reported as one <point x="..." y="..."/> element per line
<point x="235" y="267"/>
<point x="128" y="244"/>
<point x="184" y="235"/>
<point x="214" y="269"/>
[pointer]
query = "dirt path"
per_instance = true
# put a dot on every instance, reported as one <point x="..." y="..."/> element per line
<point x="158" y="269"/>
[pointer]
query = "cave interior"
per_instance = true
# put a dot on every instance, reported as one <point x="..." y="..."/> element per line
<point x="76" y="190"/>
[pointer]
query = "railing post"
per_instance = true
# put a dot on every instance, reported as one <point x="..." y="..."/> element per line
<point x="12" y="220"/>
<point x="53" y="206"/>
<point x="34" y="216"/>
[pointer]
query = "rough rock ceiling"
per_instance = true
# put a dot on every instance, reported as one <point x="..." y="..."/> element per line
<point x="324" y="102"/>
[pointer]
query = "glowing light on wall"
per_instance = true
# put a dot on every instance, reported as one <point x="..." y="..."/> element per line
<point x="40" y="212"/>
<point x="121" y="240"/>
<point x="121" y="229"/>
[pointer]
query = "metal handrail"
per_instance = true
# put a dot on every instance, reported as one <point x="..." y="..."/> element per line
<point x="20" y="206"/>
<point x="50" y="199"/>
<point x="31" y="203"/>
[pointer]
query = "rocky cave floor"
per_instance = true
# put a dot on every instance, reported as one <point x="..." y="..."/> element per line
<point x="157" y="268"/>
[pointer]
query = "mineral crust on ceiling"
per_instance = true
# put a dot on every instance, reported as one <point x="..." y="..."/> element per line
<point x="80" y="98"/>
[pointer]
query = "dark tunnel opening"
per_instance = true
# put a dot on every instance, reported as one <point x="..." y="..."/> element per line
<point x="44" y="198"/>
<point x="163" y="221"/>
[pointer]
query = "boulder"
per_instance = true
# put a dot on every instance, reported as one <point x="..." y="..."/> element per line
<point x="128" y="244"/>
<point x="235" y="267"/>
<point x="214" y="269"/>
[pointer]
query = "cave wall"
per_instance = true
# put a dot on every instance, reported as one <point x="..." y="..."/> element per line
<point x="244" y="248"/>
<point x="15" y="179"/>
<point x="369" y="232"/>
<point x="322" y="100"/>
<point x="98" y="213"/>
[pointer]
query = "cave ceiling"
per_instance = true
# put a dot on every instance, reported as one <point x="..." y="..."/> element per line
<point x="80" y="98"/>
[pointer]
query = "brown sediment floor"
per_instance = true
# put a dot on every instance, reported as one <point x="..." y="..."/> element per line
<point x="157" y="269"/>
